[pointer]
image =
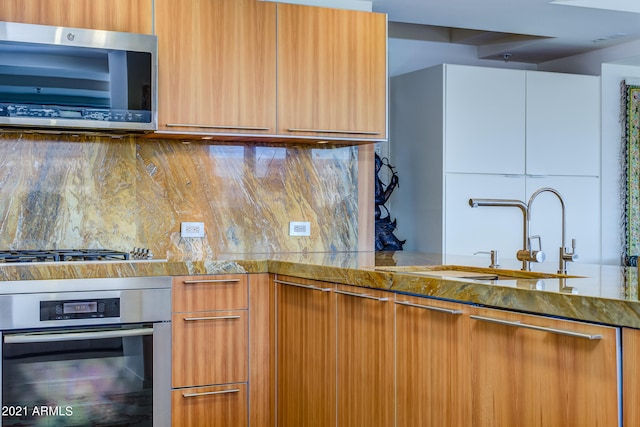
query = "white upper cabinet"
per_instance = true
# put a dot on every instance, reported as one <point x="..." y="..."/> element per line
<point x="484" y="120"/>
<point x="563" y="124"/>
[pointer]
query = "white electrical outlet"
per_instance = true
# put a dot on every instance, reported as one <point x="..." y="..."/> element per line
<point x="192" y="229"/>
<point x="299" y="228"/>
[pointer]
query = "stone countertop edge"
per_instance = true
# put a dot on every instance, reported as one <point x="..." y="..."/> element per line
<point x="616" y="312"/>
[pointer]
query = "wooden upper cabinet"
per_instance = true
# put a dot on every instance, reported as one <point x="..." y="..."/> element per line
<point x="332" y="72"/>
<point x="216" y="66"/>
<point x="133" y="16"/>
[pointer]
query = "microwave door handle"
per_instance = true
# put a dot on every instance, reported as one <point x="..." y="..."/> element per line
<point x="74" y="336"/>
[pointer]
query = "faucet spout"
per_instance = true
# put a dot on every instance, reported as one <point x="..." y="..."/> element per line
<point x="565" y="255"/>
<point x="474" y="203"/>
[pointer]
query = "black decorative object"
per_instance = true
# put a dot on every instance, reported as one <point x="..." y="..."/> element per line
<point x="385" y="239"/>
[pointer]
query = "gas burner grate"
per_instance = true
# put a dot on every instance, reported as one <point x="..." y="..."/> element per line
<point x="60" y="255"/>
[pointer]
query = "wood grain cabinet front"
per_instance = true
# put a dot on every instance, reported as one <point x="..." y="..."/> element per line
<point x="133" y="16"/>
<point x="305" y="352"/>
<point x="209" y="347"/>
<point x="432" y="363"/>
<point x="332" y="73"/>
<point x="534" y="371"/>
<point x="206" y="293"/>
<point x="219" y="406"/>
<point x="217" y="66"/>
<point x="210" y="350"/>
<point x="365" y="356"/>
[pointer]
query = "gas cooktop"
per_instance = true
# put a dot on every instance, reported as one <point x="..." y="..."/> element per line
<point x="61" y="255"/>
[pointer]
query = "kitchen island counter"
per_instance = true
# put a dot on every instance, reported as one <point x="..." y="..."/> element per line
<point x="598" y="293"/>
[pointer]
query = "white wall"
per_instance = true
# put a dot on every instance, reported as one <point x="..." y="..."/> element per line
<point x="411" y="55"/>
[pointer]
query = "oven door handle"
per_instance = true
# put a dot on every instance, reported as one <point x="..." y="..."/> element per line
<point x="74" y="336"/>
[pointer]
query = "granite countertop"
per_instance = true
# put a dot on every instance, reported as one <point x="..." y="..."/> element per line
<point x="599" y="293"/>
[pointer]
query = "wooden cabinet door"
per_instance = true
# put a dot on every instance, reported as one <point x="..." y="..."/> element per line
<point x="220" y="406"/>
<point x="365" y="357"/>
<point x="134" y="16"/>
<point x="206" y="293"/>
<point x="216" y="69"/>
<point x="532" y="371"/>
<point x="432" y="363"/>
<point x="331" y="72"/>
<point x="209" y="347"/>
<point x="306" y="353"/>
<point x="631" y="375"/>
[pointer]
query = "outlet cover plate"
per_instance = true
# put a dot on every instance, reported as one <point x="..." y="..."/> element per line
<point x="192" y="229"/>
<point x="299" y="228"/>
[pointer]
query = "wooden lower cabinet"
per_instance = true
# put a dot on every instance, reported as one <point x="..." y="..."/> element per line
<point x="631" y="375"/>
<point x="217" y="406"/>
<point x="210" y="351"/>
<point x="211" y="347"/>
<point x="365" y="356"/>
<point x="305" y="353"/>
<point x="534" y="371"/>
<point x="432" y="363"/>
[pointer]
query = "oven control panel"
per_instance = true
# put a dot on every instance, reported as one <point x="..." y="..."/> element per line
<point x="79" y="309"/>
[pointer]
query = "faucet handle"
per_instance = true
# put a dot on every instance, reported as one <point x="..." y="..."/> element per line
<point x="494" y="257"/>
<point x="569" y="256"/>
<point x="531" y="255"/>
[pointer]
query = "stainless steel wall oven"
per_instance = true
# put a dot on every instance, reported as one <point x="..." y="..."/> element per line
<point x="86" y="352"/>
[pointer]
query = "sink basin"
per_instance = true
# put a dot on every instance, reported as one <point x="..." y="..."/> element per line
<point x="470" y="273"/>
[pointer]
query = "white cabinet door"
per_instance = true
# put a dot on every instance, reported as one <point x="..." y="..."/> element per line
<point x="582" y="205"/>
<point x="563" y="124"/>
<point x="470" y="230"/>
<point x="484" y="120"/>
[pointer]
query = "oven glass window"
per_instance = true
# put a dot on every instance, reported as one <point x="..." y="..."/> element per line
<point x="95" y="382"/>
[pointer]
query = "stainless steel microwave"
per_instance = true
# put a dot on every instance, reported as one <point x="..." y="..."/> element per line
<point x="77" y="79"/>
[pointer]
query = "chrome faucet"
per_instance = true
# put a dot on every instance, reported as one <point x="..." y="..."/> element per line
<point x="565" y="255"/>
<point x="526" y="255"/>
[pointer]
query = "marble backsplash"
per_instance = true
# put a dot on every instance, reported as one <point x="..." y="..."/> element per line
<point x="99" y="192"/>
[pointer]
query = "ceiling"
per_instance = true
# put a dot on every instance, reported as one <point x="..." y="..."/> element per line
<point x="529" y="31"/>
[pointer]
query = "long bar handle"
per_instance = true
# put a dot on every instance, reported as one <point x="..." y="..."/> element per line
<point x="74" y="336"/>
<point x="518" y="324"/>
<point x="195" y="319"/>
<point x="355" y="294"/>
<point x="428" y="307"/>
<point x="193" y="282"/>
<point x="351" y="132"/>
<point x="313" y="288"/>
<point x="209" y="393"/>
<point x="188" y="125"/>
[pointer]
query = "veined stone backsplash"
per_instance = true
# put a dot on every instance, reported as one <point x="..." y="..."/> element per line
<point x="97" y="192"/>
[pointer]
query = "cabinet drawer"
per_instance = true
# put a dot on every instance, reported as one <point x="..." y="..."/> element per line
<point x="209" y="348"/>
<point x="221" y="406"/>
<point x="217" y="292"/>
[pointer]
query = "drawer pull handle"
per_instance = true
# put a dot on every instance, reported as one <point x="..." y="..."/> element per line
<point x="518" y="324"/>
<point x="427" y="307"/>
<point x="313" y="288"/>
<point x="194" y="282"/>
<point x="355" y="294"/>
<point x="350" y="132"/>
<point x="195" y="319"/>
<point x="209" y="393"/>
<point x="187" y="125"/>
